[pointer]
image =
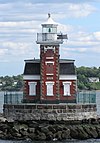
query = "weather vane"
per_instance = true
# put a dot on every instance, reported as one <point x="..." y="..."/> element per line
<point x="49" y="15"/>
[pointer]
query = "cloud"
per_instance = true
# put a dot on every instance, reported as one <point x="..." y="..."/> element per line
<point x="17" y="48"/>
<point x="3" y="52"/>
<point x="82" y="38"/>
<point x="76" y="49"/>
<point x="21" y="24"/>
<point x="69" y="10"/>
<point x="51" y="1"/>
<point x="65" y="28"/>
<point x="97" y="35"/>
<point x="17" y="52"/>
<point x="92" y="49"/>
<point x="23" y="28"/>
<point x="29" y="27"/>
<point x="81" y="10"/>
<point x="82" y="42"/>
<point x="20" y="20"/>
<point x="96" y="50"/>
<point x="29" y="11"/>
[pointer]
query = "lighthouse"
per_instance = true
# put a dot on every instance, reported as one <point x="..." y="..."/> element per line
<point x="50" y="85"/>
<point x="50" y="79"/>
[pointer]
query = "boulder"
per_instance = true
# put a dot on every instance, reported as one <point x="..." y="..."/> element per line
<point x="44" y="129"/>
<point x="3" y="119"/>
<point x="4" y="127"/>
<point x="94" y="121"/>
<point x="2" y="136"/>
<point x="58" y="127"/>
<point x="58" y="135"/>
<point x="82" y="135"/>
<point x="32" y="136"/>
<point x="23" y="132"/>
<point x="20" y="126"/>
<point x="49" y="136"/>
<point x="91" y="131"/>
<point x="32" y="124"/>
<point x="31" y="130"/>
<point x="98" y="130"/>
<point x="77" y="132"/>
<point x="40" y="136"/>
<point x="53" y="130"/>
<point x="73" y="132"/>
<point x="17" y="136"/>
<point x="94" y="133"/>
<point x="66" y="134"/>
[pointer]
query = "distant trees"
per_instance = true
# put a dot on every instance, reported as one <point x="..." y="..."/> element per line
<point x="83" y="75"/>
<point x="15" y="83"/>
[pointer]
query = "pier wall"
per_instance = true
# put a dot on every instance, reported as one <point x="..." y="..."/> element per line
<point x="49" y="112"/>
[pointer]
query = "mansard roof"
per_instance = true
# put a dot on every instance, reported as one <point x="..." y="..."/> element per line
<point x="66" y="67"/>
<point x="32" y="67"/>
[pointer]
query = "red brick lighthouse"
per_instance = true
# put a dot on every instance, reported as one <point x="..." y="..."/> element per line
<point x="50" y="79"/>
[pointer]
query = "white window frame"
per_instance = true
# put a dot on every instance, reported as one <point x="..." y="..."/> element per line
<point x="49" y="62"/>
<point x="49" y="58"/>
<point x="32" y="88"/>
<point x="49" y="88"/>
<point x="66" y="85"/>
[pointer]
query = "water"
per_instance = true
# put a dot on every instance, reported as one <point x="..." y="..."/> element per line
<point x="98" y="102"/>
<point x="1" y="101"/>
<point x="68" y="141"/>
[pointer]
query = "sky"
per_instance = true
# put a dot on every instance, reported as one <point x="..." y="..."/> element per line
<point x="20" y="21"/>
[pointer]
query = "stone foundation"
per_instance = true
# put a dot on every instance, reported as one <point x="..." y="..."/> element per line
<point x="50" y="112"/>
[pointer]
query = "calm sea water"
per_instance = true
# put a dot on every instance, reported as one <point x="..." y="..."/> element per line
<point x="72" y="141"/>
<point x="68" y="141"/>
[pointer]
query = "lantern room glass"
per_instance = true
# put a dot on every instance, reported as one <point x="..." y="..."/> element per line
<point x="49" y="30"/>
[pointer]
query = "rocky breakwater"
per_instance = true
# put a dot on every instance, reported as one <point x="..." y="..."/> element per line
<point x="50" y="130"/>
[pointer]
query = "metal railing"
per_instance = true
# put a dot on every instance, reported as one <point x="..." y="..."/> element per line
<point x="47" y="37"/>
<point x="86" y="97"/>
<point x="13" y="97"/>
<point x="81" y="97"/>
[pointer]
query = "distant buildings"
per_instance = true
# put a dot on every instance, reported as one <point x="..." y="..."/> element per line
<point x="93" y="79"/>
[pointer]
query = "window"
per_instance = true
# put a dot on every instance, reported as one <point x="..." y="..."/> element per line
<point x="49" y="88"/>
<point x="49" y="68"/>
<point x="49" y="29"/>
<point x="66" y="88"/>
<point x="32" y="88"/>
